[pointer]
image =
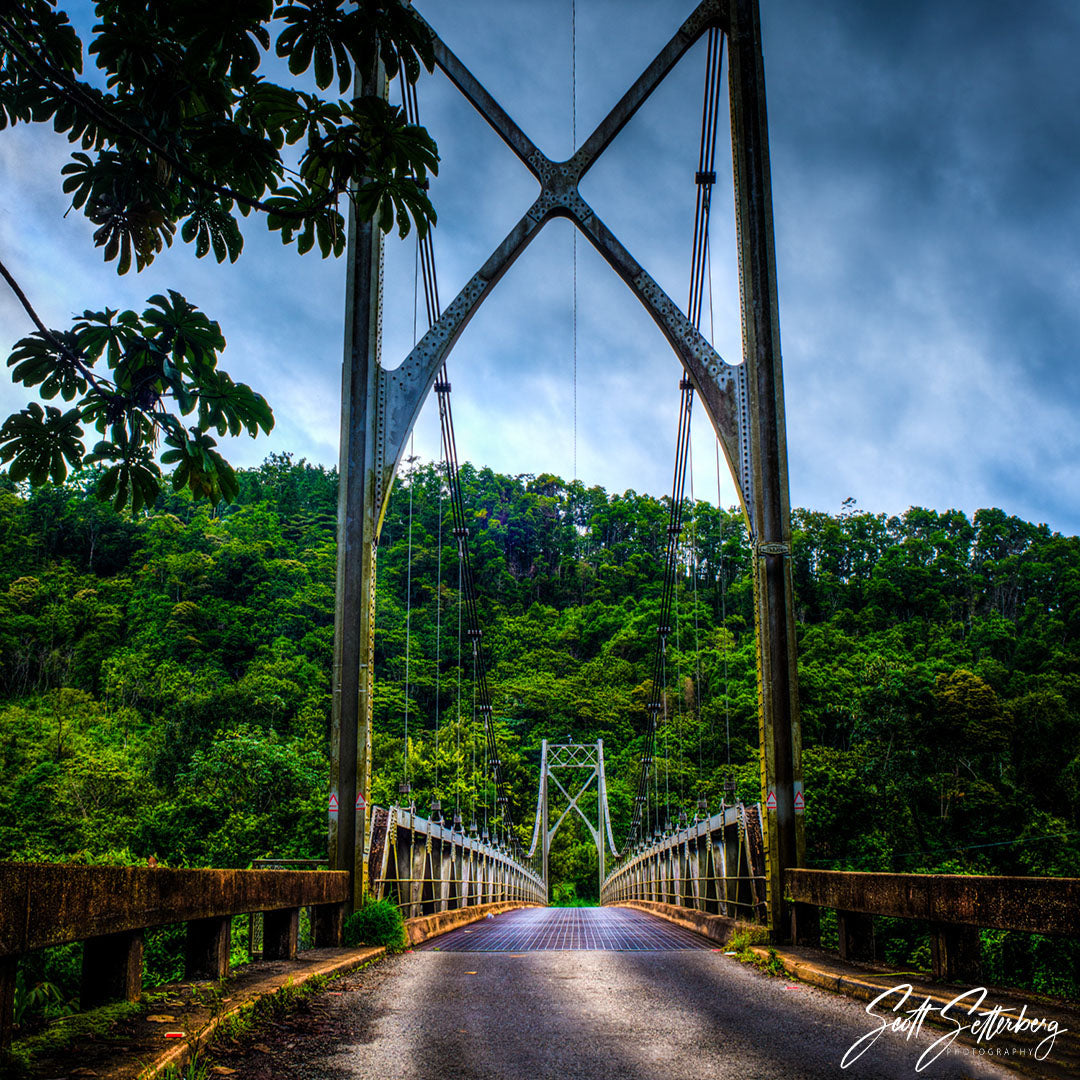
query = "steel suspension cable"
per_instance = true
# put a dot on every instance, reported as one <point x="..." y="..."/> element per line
<point x="574" y="232"/>
<point x="602" y="785"/>
<point x="467" y="592"/>
<point x="539" y="804"/>
<point x="704" y="179"/>
<point x="408" y="610"/>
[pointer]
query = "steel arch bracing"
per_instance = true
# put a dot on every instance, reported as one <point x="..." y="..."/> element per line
<point x="721" y="386"/>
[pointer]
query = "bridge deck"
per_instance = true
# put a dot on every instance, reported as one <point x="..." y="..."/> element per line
<point x="543" y="929"/>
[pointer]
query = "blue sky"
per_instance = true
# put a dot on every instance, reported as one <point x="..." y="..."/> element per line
<point x="927" y="223"/>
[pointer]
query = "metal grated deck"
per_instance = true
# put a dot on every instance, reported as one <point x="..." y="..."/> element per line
<point x="538" y="929"/>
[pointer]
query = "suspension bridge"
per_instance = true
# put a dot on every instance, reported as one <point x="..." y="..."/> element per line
<point x="743" y="402"/>
<point x="675" y="880"/>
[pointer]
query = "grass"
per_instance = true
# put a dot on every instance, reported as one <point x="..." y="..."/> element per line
<point x="265" y="1011"/>
<point x="209" y="995"/>
<point x="742" y="944"/>
<point x="64" y="1033"/>
<point x="269" y="1009"/>
<point x="195" y="1069"/>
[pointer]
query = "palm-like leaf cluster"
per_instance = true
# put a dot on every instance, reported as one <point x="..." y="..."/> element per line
<point x="126" y="370"/>
<point x="182" y="130"/>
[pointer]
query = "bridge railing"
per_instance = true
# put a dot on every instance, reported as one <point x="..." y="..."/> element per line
<point x="307" y="914"/>
<point x="109" y="908"/>
<point x="955" y="907"/>
<point x="425" y="867"/>
<point x="716" y="865"/>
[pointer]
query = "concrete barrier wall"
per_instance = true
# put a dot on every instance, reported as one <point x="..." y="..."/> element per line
<point x="428" y="926"/>
<point x="718" y="928"/>
<point x="44" y="904"/>
<point x="1035" y="905"/>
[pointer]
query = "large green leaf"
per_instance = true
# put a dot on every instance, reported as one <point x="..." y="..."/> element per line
<point x="36" y="360"/>
<point x="40" y="443"/>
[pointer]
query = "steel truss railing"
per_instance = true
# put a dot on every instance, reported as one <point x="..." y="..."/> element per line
<point x="716" y="865"/>
<point x="425" y="867"/>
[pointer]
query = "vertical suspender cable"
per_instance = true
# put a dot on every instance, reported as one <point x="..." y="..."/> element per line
<point x="405" y="790"/>
<point x="460" y="664"/>
<point x="667" y="755"/>
<point x="408" y="607"/>
<point x="697" y="631"/>
<point x="438" y="635"/>
<point x="573" y="150"/>
<point x="467" y="593"/>
<point x="723" y="611"/>
<point x="705" y="178"/>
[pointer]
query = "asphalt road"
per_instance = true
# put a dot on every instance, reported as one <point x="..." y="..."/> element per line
<point x="581" y="1015"/>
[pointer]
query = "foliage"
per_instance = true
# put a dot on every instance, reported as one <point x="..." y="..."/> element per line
<point x="183" y="127"/>
<point x="168" y="355"/>
<point x="79" y="1027"/>
<point x="163" y="955"/>
<point x="564" y="894"/>
<point x="378" y="922"/>
<point x="166" y="679"/>
<point x="38" y="999"/>
<point x="195" y="1068"/>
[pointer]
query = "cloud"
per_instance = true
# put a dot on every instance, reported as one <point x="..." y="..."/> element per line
<point x="925" y="163"/>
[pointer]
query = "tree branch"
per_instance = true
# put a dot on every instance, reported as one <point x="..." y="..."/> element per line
<point x="49" y="336"/>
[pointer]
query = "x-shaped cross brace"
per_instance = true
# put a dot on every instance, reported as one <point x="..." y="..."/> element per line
<point x="720" y="385"/>
<point x="572" y="805"/>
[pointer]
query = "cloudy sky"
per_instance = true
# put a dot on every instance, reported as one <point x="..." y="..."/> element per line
<point x="928" y="241"/>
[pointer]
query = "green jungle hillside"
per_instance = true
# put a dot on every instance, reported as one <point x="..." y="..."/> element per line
<point x="165" y="680"/>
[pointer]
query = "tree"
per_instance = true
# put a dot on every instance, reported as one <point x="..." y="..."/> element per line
<point x="188" y="132"/>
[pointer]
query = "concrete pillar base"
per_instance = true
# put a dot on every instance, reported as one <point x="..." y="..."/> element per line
<point x="9" y="965"/>
<point x="206" y="953"/>
<point x="954" y="954"/>
<point x="856" y="935"/>
<point x="281" y="931"/>
<point x="329" y="921"/>
<point x="112" y="969"/>
<point x="805" y="925"/>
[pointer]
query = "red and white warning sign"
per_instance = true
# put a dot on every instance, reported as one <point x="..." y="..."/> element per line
<point x="333" y="803"/>
<point x="770" y="802"/>
<point x="360" y="804"/>
<point x="800" y="801"/>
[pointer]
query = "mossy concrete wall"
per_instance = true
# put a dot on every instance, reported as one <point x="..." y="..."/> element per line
<point x="428" y="926"/>
<point x="718" y="928"/>
<point x="44" y="904"/>
<point x="1036" y="905"/>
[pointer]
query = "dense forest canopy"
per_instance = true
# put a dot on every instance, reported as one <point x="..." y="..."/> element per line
<point x="166" y="677"/>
